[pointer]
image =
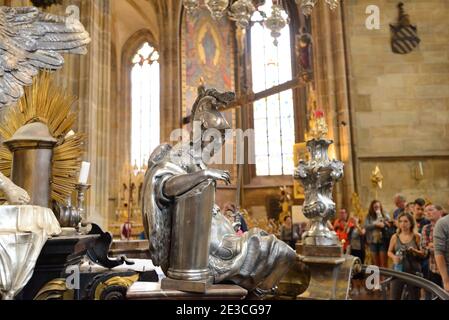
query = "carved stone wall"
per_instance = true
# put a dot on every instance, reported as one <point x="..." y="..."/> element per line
<point x="400" y="103"/>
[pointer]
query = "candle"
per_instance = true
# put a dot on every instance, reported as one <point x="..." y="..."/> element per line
<point x="84" y="173"/>
<point x="421" y="170"/>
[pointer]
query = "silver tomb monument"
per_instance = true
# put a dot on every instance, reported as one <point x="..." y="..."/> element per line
<point x="189" y="237"/>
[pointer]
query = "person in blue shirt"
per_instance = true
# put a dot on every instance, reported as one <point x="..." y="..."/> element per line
<point x="400" y="202"/>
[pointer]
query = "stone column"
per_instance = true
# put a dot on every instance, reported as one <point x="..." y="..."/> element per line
<point x="168" y="14"/>
<point x="332" y="91"/>
<point x="94" y="115"/>
<point x="89" y="78"/>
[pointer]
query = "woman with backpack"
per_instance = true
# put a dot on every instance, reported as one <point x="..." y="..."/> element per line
<point x="406" y="252"/>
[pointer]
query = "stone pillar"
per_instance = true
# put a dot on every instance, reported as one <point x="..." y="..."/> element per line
<point x="94" y="104"/>
<point x="89" y="78"/>
<point x="169" y="17"/>
<point x="332" y="91"/>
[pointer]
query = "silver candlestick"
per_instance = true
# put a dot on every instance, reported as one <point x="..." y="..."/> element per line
<point x="81" y="189"/>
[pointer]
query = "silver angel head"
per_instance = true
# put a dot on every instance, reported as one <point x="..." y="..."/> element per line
<point x="206" y="108"/>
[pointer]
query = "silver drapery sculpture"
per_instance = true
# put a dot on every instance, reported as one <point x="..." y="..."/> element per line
<point x="31" y="41"/>
<point x="189" y="237"/>
<point x="23" y="233"/>
<point x="318" y="177"/>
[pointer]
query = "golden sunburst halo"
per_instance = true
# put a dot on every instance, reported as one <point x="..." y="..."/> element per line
<point x="50" y="104"/>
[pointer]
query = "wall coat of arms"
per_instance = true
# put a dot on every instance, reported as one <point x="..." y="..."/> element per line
<point x="404" y="35"/>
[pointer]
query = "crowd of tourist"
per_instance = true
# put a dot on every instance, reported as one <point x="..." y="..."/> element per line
<point x="415" y="238"/>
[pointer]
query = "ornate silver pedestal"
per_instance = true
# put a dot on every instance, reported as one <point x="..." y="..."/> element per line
<point x="320" y="249"/>
<point x="186" y="223"/>
<point x="189" y="255"/>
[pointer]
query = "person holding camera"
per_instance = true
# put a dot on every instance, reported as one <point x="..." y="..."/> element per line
<point x="406" y="252"/>
<point x="375" y="223"/>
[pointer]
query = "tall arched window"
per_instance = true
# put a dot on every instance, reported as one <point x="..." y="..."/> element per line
<point x="273" y="116"/>
<point x="145" y="110"/>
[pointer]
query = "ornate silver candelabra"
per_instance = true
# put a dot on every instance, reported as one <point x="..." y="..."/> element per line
<point x="330" y="270"/>
<point x="318" y="176"/>
<point x="308" y="5"/>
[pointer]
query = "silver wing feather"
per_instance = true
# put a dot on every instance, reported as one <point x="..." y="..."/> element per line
<point x="31" y="40"/>
<point x="156" y="219"/>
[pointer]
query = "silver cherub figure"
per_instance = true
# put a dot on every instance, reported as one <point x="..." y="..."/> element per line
<point x="189" y="237"/>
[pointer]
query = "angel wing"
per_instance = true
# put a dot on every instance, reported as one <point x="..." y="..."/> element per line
<point x="156" y="220"/>
<point x="30" y="41"/>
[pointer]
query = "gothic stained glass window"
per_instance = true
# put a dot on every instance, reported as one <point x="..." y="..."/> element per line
<point x="274" y="115"/>
<point x="145" y="110"/>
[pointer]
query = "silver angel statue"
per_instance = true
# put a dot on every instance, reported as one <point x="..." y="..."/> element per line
<point x="31" y="41"/>
<point x="189" y="237"/>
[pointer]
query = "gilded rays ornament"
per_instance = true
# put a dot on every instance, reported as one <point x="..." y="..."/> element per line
<point x="47" y="103"/>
